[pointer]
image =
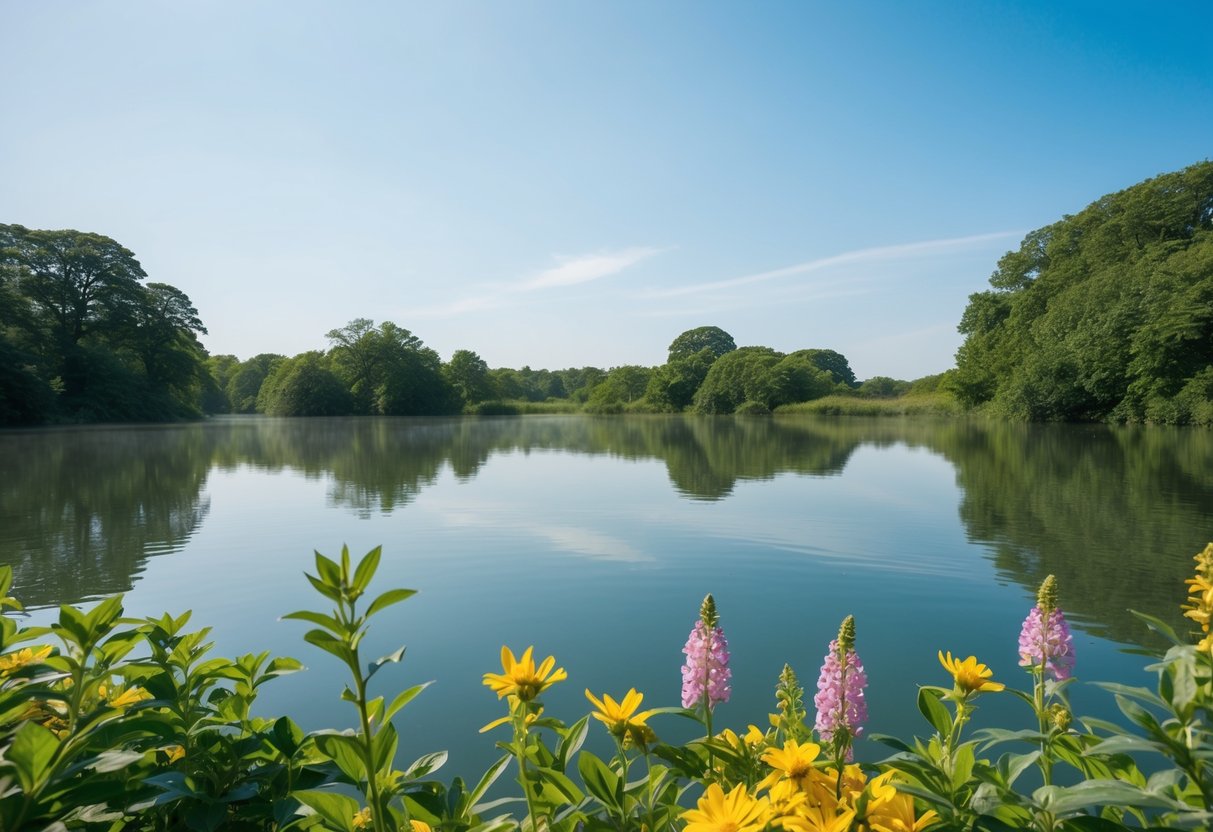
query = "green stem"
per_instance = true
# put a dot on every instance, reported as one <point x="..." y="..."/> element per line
<point x="520" y="738"/>
<point x="623" y="765"/>
<point x="368" y="740"/>
<point x="1046" y="764"/>
<point x="707" y="722"/>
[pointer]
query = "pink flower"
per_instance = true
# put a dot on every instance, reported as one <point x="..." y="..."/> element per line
<point x="839" y="700"/>
<point x="706" y="675"/>
<point x="1045" y="640"/>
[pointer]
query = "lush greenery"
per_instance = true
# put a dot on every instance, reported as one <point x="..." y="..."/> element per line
<point x="82" y="338"/>
<point x="114" y="723"/>
<point x="1107" y="314"/>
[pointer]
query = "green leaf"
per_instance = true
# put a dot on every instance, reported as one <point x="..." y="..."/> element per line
<point x="115" y="759"/>
<point x="962" y="766"/>
<point x="490" y="777"/>
<point x="571" y="741"/>
<point x="934" y="710"/>
<point x="31" y="753"/>
<point x="392" y="596"/>
<point x="324" y="589"/>
<point x="329" y="644"/>
<point x="1159" y="626"/>
<point x="336" y="809"/>
<point x="1013" y="765"/>
<point x="422" y="766"/>
<point x="1062" y="801"/>
<point x="328" y="622"/>
<point x="403" y="698"/>
<point x="600" y="780"/>
<point x="385" y="744"/>
<point x="561" y="783"/>
<point x="366" y="569"/>
<point x="346" y="751"/>
<point x="892" y="742"/>
<point x="329" y="571"/>
<point x="391" y="658"/>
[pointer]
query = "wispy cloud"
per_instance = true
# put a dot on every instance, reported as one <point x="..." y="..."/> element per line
<point x="568" y="271"/>
<point x="587" y="267"/>
<point x="876" y="254"/>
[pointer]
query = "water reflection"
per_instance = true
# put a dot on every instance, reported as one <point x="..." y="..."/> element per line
<point x="1115" y="513"/>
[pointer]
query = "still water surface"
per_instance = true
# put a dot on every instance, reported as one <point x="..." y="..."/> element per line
<point x="596" y="538"/>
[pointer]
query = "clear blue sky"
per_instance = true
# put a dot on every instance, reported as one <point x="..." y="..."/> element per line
<point x="568" y="183"/>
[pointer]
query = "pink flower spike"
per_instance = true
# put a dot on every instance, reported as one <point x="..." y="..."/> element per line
<point x="706" y="674"/>
<point x="839" y="700"/>
<point x="1046" y="640"/>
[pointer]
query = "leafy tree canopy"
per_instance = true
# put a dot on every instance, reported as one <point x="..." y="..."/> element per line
<point x="1104" y="314"/>
<point x="705" y="337"/>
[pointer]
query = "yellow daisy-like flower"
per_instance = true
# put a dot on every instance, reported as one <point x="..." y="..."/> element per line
<point x="792" y="762"/>
<point x="22" y="658"/>
<point x="897" y="815"/>
<point x="786" y="800"/>
<point x="128" y="697"/>
<point x="619" y="717"/>
<point x="363" y="819"/>
<point x="735" y="812"/>
<point x="971" y="676"/>
<point x="420" y="826"/>
<point x="820" y="819"/>
<point x="520" y="677"/>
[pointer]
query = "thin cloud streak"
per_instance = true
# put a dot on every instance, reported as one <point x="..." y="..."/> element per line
<point x="587" y="267"/>
<point x="866" y="255"/>
<point x="571" y="271"/>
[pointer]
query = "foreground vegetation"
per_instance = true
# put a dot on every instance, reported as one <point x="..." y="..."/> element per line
<point x="114" y="723"/>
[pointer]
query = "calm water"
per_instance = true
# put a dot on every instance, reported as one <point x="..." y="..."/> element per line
<point x="596" y="538"/>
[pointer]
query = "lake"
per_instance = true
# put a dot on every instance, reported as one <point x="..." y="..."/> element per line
<point x="595" y="538"/>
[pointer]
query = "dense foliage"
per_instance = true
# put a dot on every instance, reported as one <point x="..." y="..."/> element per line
<point x="1107" y="314"/>
<point x="111" y="723"/>
<point x="82" y="338"/>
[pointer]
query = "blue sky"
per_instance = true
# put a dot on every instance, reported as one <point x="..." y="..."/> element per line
<point x="568" y="183"/>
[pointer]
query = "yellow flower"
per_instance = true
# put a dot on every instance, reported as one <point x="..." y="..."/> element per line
<point x="363" y="819"/>
<point x="22" y="658"/>
<point x="128" y="697"/>
<point x="786" y="799"/>
<point x="174" y="753"/>
<point x="793" y="762"/>
<point x="520" y="678"/>
<point x="735" y="812"/>
<point x="970" y="675"/>
<point x="897" y="815"/>
<point x="820" y="819"/>
<point x="420" y="826"/>
<point x="620" y="718"/>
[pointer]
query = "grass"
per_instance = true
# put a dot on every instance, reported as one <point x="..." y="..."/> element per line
<point x="925" y="404"/>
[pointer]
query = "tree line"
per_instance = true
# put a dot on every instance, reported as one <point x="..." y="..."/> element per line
<point x="1106" y="315"/>
<point x="384" y="369"/>
<point x="83" y="338"/>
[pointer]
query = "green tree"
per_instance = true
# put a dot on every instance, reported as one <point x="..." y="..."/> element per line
<point x="736" y="377"/>
<point x="672" y="386"/>
<point x="304" y="386"/>
<point x="244" y="383"/>
<point x="468" y="374"/>
<point x="705" y="337"/>
<point x="1104" y="314"/>
<point x="74" y="280"/>
<point x="834" y="363"/>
